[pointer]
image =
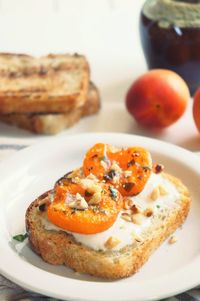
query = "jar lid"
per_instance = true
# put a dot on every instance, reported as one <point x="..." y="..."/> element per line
<point x="180" y="13"/>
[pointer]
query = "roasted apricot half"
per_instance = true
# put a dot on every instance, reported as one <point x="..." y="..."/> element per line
<point x="128" y="169"/>
<point x="85" y="207"/>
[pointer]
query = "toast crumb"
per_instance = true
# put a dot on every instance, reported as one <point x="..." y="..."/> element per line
<point x="162" y="190"/>
<point x="127" y="203"/>
<point x="111" y="242"/>
<point x="126" y="216"/>
<point x="148" y="212"/>
<point x="137" y="218"/>
<point x="155" y="194"/>
<point x="172" y="240"/>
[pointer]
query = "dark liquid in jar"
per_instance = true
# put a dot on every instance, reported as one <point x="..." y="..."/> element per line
<point x="173" y="48"/>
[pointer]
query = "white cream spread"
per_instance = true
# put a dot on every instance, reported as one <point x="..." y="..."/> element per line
<point x="125" y="231"/>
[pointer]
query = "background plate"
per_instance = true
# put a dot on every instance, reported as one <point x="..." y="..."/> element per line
<point x="170" y="270"/>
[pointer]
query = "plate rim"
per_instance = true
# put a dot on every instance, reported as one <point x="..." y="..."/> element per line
<point x="27" y="284"/>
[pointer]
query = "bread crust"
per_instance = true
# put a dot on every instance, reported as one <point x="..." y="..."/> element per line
<point x="53" y="83"/>
<point x="51" y="124"/>
<point x="60" y="248"/>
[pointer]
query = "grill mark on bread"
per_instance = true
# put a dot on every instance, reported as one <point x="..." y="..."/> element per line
<point x="53" y="83"/>
<point x="28" y="72"/>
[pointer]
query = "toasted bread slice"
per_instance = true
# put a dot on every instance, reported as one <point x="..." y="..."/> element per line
<point x="53" y="123"/>
<point x="53" y="83"/>
<point x="59" y="247"/>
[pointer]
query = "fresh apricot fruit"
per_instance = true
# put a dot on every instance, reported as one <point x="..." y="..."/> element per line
<point x="158" y="98"/>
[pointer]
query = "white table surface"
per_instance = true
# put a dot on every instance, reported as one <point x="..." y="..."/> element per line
<point x="107" y="33"/>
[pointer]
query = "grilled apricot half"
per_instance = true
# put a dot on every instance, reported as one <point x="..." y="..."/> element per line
<point x="128" y="169"/>
<point x="86" y="207"/>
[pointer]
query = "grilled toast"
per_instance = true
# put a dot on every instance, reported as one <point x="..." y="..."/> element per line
<point x="52" y="83"/>
<point x="57" y="246"/>
<point x="43" y="123"/>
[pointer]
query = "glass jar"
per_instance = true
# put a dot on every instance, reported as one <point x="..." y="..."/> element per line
<point x="170" y="36"/>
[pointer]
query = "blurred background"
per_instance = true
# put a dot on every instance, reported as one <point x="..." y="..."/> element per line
<point x="107" y="33"/>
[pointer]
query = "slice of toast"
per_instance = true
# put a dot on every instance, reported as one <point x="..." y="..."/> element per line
<point x="53" y="123"/>
<point x="59" y="247"/>
<point x="53" y="83"/>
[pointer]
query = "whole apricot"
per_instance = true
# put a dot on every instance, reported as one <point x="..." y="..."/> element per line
<point x="196" y="109"/>
<point x="158" y="98"/>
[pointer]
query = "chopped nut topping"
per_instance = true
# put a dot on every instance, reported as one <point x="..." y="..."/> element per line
<point x="111" y="242"/>
<point x="137" y="218"/>
<point x="115" y="180"/>
<point x="155" y="194"/>
<point x="116" y="167"/>
<point x="96" y="199"/>
<point x="76" y="180"/>
<point x="127" y="203"/>
<point x="148" y="212"/>
<point x="80" y="203"/>
<point x="91" y="176"/>
<point x="158" y="168"/>
<point x="172" y="240"/>
<point x="135" y="209"/>
<point x="127" y="173"/>
<point x="162" y="190"/>
<point x="126" y="217"/>
<point x="90" y="185"/>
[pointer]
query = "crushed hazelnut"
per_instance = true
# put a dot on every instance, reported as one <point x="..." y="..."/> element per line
<point x="162" y="190"/>
<point x="116" y="167"/>
<point x="91" y="176"/>
<point x="111" y="242"/>
<point x="127" y="203"/>
<point x="127" y="173"/>
<point x="155" y="193"/>
<point x="137" y="218"/>
<point x="96" y="199"/>
<point x="80" y="203"/>
<point x="126" y="217"/>
<point x="76" y="180"/>
<point x="135" y="209"/>
<point x="172" y="240"/>
<point x="148" y="212"/>
<point x="158" y="168"/>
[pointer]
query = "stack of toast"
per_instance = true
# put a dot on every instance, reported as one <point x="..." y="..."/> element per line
<point x="47" y="94"/>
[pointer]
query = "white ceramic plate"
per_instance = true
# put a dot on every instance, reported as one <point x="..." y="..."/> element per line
<point x="170" y="270"/>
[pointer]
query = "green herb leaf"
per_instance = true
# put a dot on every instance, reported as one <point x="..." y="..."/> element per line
<point x="113" y="193"/>
<point x="20" y="237"/>
<point x="158" y="206"/>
